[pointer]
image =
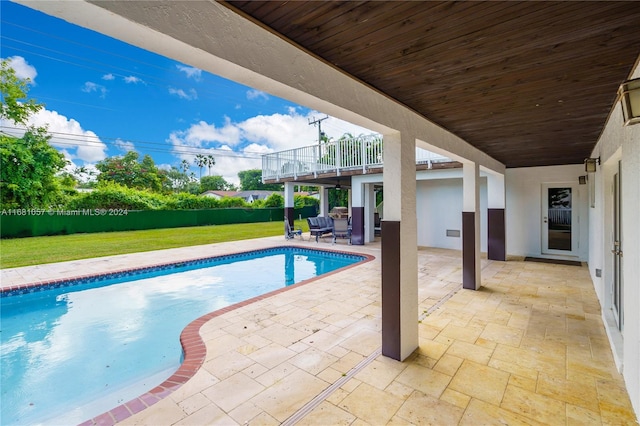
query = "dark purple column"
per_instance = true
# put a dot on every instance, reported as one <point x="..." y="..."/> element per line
<point x="391" y="289"/>
<point x="469" y="250"/>
<point x="357" y="226"/>
<point x="496" y="249"/>
<point x="289" y="215"/>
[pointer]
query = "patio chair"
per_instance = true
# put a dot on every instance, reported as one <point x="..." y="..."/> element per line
<point x="341" y="229"/>
<point x="289" y="233"/>
<point x="320" y="226"/>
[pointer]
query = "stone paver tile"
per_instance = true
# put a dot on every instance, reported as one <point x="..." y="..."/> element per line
<point x="165" y="411"/>
<point x="209" y="415"/>
<point x="313" y="360"/>
<point x="399" y="390"/>
<point x="578" y="416"/>
<point x="284" y="336"/>
<point x="534" y="406"/>
<point x="448" y="364"/>
<point x="523" y="382"/>
<point x="480" y="381"/>
<point x="380" y="374"/>
<point x="233" y="391"/>
<point x="272" y="355"/>
<point x="255" y="370"/>
<point x="502" y="334"/>
<point x="323" y="340"/>
<point x="245" y="412"/>
<point x="513" y="368"/>
<point x="285" y="397"/>
<point x="465" y="334"/>
<point x="364" y="342"/>
<point x="263" y="419"/>
<point x="328" y="414"/>
<point x="330" y="375"/>
<point x="421" y="409"/>
<point x="194" y="403"/>
<point x="371" y="404"/>
<point x="274" y="375"/>
<point x="432" y="349"/>
<point x="614" y="403"/>
<point x="227" y="364"/>
<point x="482" y="413"/>
<point x="471" y="352"/>
<point x="221" y="345"/>
<point x="551" y="364"/>
<point x="347" y="362"/>
<point x="581" y="394"/>
<point x="424" y="379"/>
<point x="337" y="396"/>
<point x="456" y="398"/>
<point x="199" y="382"/>
<point x="351" y="385"/>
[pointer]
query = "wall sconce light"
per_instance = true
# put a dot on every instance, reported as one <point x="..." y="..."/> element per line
<point x="590" y="164"/>
<point x="629" y="93"/>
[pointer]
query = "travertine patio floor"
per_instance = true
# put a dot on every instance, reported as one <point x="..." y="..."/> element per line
<point x="528" y="348"/>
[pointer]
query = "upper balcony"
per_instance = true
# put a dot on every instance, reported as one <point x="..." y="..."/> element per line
<point x="345" y="157"/>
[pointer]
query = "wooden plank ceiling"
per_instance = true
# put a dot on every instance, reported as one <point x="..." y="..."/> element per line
<point x="529" y="83"/>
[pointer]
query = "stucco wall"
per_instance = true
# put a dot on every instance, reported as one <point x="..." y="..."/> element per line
<point x="439" y="207"/>
<point x="524" y="207"/>
<point x="619" y="144"/>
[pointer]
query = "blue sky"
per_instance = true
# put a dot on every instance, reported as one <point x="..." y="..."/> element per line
<point x="104" y="97"/>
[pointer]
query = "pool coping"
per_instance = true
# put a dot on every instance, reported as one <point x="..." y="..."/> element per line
<point x="193" y="346"/>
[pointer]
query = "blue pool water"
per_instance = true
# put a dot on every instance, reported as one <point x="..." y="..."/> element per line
<point x="73" y="352"/>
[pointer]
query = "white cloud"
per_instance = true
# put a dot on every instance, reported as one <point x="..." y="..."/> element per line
<point x="90" y="87"/>
<point x="132" y="79"/>
<point x="190" y="72"/>
<point x="22" y="68"/>
<point x="256" y="94"/>
<point x="125" y="146"/>
<point x="67" y="135"/>
<point x="108" y="77"/>
<point x="191" y="95"/>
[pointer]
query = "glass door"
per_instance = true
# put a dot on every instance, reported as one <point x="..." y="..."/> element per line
<point x="617" y="251"/>
<point x="559" y="219"/>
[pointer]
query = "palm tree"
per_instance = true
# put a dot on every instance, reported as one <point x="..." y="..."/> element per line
<point x="210" y="161"/>
<point x="200" y="161"/>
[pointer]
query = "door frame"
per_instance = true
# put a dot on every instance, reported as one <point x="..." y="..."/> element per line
<point x="575" y="219"/>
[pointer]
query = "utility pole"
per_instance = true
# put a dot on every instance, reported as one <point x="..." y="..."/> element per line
<point x="319" y="123"/>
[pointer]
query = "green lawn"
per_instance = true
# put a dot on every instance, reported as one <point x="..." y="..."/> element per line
<point x="60" y="248"/>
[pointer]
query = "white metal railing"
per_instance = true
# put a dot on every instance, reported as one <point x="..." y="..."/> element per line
<point x="560" y="216"/>
<point x="364" y="152"/>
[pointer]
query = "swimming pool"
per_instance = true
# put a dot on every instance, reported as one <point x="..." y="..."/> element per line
<point x="74" y="349"/>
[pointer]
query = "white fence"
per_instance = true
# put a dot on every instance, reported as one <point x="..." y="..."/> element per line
<point x="363" y="153"/>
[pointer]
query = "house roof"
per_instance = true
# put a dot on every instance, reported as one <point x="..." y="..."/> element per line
<point x="528" y="83"/>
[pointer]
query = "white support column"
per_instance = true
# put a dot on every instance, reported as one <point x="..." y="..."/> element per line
<point x="369" y="207"/>
<point x="399" y="248"/>
<point x="289" y="189"/>
<point x="357" y="212"/>
<point x="471" y="226"/>
<point x="324" y="202"/>
<point x="496" y="226"/>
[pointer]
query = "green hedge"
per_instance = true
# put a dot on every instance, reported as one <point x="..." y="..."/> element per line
<point x="34" y="223"/>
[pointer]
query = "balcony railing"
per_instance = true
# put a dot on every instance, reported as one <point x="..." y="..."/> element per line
<point x="362" y="153"/>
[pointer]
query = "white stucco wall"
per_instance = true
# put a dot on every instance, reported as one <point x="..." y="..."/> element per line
<point x="524" y="207"/>
<point x="619" y="144"/>
<point x="439" y="207"/>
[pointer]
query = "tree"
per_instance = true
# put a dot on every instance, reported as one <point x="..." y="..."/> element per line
<point x="28" y="165"/>
<point x="127" y="171"/>
<point x="200" y="161"/>
<point x="210" y="161"/>
<point x="252" y="180"/>
<point x="215" y="183"/>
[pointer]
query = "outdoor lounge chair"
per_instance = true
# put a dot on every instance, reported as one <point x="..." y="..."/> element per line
<point x="320" y="226"/>
<point x="289" y="233"/>
<point x="341" y="229"/>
